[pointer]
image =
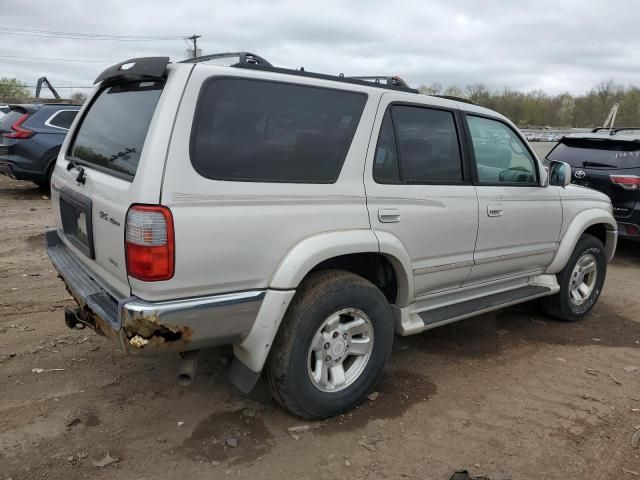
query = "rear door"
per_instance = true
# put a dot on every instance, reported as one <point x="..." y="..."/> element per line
<point x="113" y="158"/>
<point x="419" y="189"/>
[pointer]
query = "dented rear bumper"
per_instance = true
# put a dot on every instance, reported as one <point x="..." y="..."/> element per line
<point x="146" y="328"/>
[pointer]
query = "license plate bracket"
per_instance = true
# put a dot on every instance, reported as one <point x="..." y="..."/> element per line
<point x="76" y="215"/>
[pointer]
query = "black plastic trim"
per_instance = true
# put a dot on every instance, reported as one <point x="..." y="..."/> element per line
<point x="140" y="69"/>
<point x="85" y="205"/>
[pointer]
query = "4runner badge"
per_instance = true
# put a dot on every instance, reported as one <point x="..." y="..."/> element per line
<point x="109" y="218"/>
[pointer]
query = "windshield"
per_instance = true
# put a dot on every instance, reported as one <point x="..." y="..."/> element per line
<point x="113" y="130"/>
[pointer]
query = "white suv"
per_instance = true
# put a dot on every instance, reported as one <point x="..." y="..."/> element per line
<point x="305" y="219"/>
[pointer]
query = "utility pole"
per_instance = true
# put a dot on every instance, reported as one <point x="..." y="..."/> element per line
<point x="194" y="38"/>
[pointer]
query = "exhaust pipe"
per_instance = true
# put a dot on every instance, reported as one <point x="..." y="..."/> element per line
<point x="187" y="369"/>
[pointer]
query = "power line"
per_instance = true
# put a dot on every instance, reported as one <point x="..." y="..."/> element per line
<point x="86" y="36"/>
<point x="34" y="86"/>
<point x="82" y="60"/>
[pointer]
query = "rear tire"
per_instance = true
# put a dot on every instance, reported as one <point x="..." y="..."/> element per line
<point x="580" y="281"/>
<point x="332" y="346"/>
<point x="46" y="186"/>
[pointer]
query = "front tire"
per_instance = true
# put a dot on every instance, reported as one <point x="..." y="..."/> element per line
<point x="580" y="281"/>
<point x="332" y="346"/>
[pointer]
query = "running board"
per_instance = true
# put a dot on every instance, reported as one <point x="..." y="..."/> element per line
<point x="412" y="323"/>
<point x="482" y="304"/>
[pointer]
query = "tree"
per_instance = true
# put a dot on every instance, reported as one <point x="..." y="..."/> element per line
<point x="78" y="97"/>
<point x="434" y="89"/>
<point x="13" y="88"/>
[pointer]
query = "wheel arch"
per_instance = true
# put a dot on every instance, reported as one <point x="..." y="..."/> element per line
<point x="308" y="255"/>
<point x="339" y="250"/>
<point x="596" y="222"/>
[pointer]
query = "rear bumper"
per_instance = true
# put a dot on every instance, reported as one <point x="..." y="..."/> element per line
<point x="147" y="328"/>
<point x="18" y="167"/>
<point x="629" y="228"/>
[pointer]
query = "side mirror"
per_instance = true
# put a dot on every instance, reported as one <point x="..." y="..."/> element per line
<point x="559" y="173"/>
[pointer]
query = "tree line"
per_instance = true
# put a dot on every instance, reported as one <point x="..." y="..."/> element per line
<point x="13" y="89"/>
<point x="537" y="108"/>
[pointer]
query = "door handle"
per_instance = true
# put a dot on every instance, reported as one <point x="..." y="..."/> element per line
<point x="494" y="211"/>
<point x="389" y="215"/>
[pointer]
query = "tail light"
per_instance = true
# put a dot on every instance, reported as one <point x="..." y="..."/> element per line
<point x="149" y="241"/>
<point x="628" y="182"/>
<point x="18" y="130"/>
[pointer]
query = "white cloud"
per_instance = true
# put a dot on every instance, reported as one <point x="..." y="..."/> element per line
<point x="555" y="46"/>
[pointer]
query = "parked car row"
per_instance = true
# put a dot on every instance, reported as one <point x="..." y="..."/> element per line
<point x="541" y="137"/>
<point x="30" y="139"/>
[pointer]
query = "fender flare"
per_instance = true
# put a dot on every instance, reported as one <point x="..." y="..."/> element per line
<point x="579" y="224"/>
<point x="252" y="352"/>
<point x="315" y="249"/>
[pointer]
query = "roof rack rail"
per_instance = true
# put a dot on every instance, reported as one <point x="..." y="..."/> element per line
<point x="456" y="99"/>
<point x="394" y="80"/>
<point x="256" y="62"/>
<point x="244" y="58"/>
<point x="615" y="130"/>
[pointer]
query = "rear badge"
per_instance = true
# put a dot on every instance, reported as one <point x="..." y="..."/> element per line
<point x="109" y="218"/>
<point x="580" y="174"/>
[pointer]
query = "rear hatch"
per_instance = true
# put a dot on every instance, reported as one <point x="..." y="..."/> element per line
<point x="604" y="164"/>
<point x="108" y="163"/>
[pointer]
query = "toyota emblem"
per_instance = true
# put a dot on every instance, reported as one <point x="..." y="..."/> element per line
<point x="580" y="174"/>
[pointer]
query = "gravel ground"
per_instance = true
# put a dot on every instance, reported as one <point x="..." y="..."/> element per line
<point x="511" y="394"/>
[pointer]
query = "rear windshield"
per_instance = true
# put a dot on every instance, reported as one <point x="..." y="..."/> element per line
<point x="114" y="128"/>
<point x="259" y="131"/>
<point x="596" y="153"/>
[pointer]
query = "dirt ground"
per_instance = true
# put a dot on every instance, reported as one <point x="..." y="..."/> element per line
<point x="509" y="395"/>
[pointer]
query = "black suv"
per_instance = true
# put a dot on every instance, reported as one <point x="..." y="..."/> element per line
<point x="30" y="139"/>
<point x="607" y="160"/>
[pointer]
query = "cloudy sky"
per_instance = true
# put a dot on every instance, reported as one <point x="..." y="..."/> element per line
<point x="556" y="46"/>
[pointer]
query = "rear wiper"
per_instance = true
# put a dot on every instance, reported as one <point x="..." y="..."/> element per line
<point x="596" y="165"/>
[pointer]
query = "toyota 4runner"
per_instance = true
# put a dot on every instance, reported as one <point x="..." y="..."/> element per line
<point x="304" y="219"/>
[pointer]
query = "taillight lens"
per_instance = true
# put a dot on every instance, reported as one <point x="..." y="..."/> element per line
<point x="18" y="130"/>
<point x="628" y="182"/>
<point x="150" y="243"/>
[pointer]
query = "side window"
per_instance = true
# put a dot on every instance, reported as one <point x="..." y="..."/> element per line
<point x="385" y="164"/>
<point x="427" y="144"/>
<point x="259" y="131"/>
<point x="63" y="119"/>
<point x="500" y="155"/>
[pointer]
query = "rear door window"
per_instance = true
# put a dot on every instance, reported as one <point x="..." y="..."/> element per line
<point x="418" y="145"/>
<point x="260" y="131"/>
<point x="113" y="130"/>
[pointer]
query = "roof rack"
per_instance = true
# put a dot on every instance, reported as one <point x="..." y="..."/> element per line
<point x="456" y="99"/>
<point x="395" y="80"/>
<point x="613" y="131"/>
<point x="256" y="62"/>
<point x="244" y="58"/>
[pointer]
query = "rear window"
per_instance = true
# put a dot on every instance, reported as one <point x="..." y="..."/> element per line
<point x="62" y="119"/>
<point x="596" y="153"/>
<point x="258" y="131"/>
<point x="113" y="130"/>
